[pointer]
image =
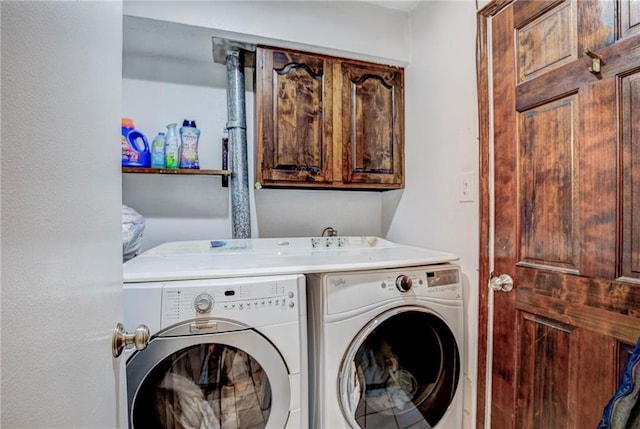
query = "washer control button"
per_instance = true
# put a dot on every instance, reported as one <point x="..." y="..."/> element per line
<point x="403" y="283"/>
<point x="203" y="303"/>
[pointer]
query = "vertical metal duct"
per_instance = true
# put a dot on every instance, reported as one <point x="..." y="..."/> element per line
<point x="237" y="131"/>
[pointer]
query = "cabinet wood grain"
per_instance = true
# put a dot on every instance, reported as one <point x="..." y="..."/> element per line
<point x="328" y="122"/>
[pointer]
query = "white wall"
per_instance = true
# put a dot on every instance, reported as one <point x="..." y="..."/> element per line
<point x="365" y="30"/>
<point x="169" y="75"/>
<point x="442" y="144"/>
<point x="437" y="45"/>
<point x="179" y="207"/>
<point x="193" y="207"/>
<point x="290" y="213"/>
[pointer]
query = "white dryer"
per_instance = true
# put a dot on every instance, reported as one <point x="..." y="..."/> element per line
<point x="386" y="348"/>
<point x="221" y="312"/>
<point x="224" y="353"/>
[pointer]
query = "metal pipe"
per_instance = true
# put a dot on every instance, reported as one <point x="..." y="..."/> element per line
<point x="237" y="131"/>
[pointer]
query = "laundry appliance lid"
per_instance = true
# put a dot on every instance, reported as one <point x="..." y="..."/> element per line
<point x="185" y="260"/>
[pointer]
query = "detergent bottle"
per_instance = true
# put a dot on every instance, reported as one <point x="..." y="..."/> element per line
<point x="172" y="147"/>
<point x="157" y="151"/>
<point x="189" y="135"/>
<point x="135" y="148"/>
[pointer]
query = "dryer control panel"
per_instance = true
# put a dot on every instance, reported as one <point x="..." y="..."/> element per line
<point x="352" y="290"/>
<point x="444" y="277"/>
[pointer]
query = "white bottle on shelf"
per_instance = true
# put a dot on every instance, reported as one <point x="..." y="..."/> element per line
<point x="172" y="147"/>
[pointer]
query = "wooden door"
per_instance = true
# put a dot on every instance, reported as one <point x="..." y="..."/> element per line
<point x="563" y="155"/>
<point x="372" y="125"/>
<point x="294" y="118"/>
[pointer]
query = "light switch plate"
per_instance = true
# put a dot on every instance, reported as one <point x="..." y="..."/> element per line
<point x="466" y="193"/>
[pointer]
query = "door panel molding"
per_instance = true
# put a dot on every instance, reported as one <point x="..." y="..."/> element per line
<point x="608" y="307"/>
<point x="547" y="183"/>
<point x="623" y="56"/>
<point x="548" y="29"/>
<point x="630" y="236"/>
<point x="630" y="17"/>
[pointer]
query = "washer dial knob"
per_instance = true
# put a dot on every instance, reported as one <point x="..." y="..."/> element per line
<point x="203" y="303"/>
<point x="403" y="283"/>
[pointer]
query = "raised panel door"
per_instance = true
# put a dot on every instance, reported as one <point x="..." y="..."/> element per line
<point x="294" y="118"/>
<point x="564" y="168"/>
<point x="372" y="125"/>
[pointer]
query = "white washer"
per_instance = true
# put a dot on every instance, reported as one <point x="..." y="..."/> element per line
<point x="237" y="271"/>
<point x="224" y="353"/>
<point x="386" y="348"/>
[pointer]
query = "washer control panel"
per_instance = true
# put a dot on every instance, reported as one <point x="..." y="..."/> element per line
<point x="203" y="303"/>
<point x="248" y="300"/>
<point x="404" y="283"/>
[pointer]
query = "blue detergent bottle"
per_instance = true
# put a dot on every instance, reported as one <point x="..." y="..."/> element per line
<point x="135" y="148"/>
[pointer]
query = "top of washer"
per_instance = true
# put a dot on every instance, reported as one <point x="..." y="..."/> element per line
<point x="185" y="260"/>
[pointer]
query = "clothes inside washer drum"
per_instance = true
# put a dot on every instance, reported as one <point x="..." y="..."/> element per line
<point x="189" y="410"/>
<point x="207" y="386"/>
<point x="392" y="385"/>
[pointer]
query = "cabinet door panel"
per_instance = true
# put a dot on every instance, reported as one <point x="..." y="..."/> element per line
<point x="327" y="122"/>
<point x="294" y="117"/>
<point x="372" y="124"/>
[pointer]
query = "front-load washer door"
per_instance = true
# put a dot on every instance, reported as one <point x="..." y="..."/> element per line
<point x="401" y="371"/>
<point x="233" y="380"/>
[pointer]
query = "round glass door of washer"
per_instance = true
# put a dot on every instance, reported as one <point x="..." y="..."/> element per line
<point x="234" y="380"/>
<point x="401" y="371"/>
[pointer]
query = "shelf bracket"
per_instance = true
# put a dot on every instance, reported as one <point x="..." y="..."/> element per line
<point x="225" y="161"/>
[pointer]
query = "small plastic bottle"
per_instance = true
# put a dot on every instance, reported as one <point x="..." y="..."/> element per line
<point x="189" y="135"/>
<point x="172" y="147"/>
<point x="157" y="151"/>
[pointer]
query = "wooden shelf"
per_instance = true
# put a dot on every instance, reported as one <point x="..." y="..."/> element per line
<point x="187" y="171"/>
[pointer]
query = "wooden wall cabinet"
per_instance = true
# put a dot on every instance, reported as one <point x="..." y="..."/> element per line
<point x="327" y="122"/>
